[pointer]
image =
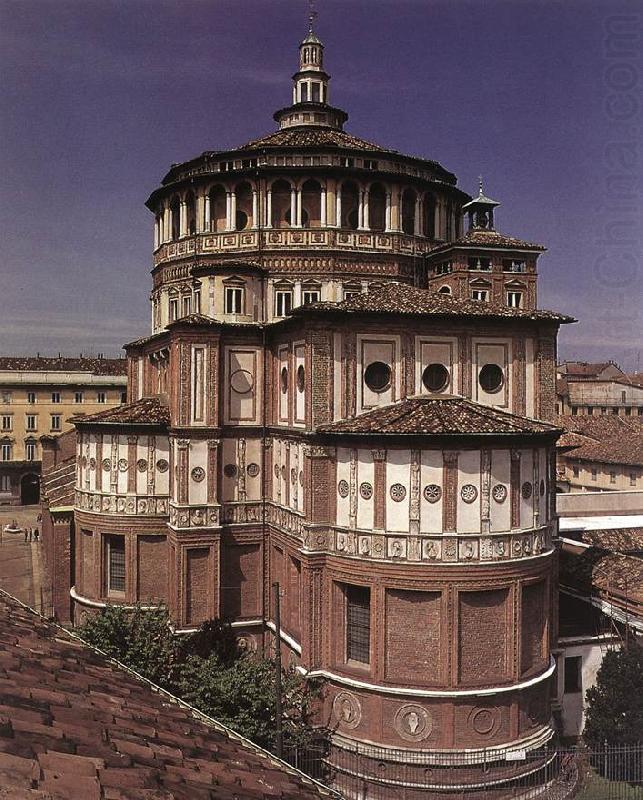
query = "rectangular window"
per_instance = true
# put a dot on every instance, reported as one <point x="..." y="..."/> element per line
<point x="55" y="397"/>
<point x="615" y="411"/>
<point x="174" y="309"/>
<point x="56" y="422"/>
<point x="575" y="471"/>
<point x="351" y="292"/>
<point x="7" y="422"/>
<point x="603" y="410"/>
<point x="574" y="411"/>
<point x="5" y="483"/>
<point x="476" y="263"/>
<point x="514" y="299"/>
<point x="481" y="295"/>
<point x="370" y="164"/>
<point x="101" y="397"/>
<point x="234" y="300"/>
<point x="623" y="396"/>
<point x="31" y="422"/>
<point x="513" y="265"/>
<point x="5" y="452"/>
<point x="31" y="397"/>
<point x="186" y="306"/>
<point x="358" y="623"/>
<point x="197" y="301"/>
<point x="283" y="302"/>
<point x="628" y="412"/>
<point x="123" y="397"/>
<point x="115" y="563"/>
<point x="30" y="451"/>
<point x="573" y="675"/>
<point x="594" y="473"/>
<point x="612" y="477"/>
<point x="632" y="478"/>
<point x="78" y="397"/>
<point x="6" y="397"/>
<point x="310" y="296"/>
<point x="590" y="411"/>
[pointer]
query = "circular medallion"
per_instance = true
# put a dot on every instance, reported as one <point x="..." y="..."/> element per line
<point x="499" y="493"/>
<point x="293" y="476"/>
<point x="526" y="490"/>
<point x="398" y="492"/>
<point x="483" y="720"/>
<point x="301" y="477"/>
<point x="198" y="474"/>
<point x="432" y="493"/>
<point x="230" y="470"/>
<point x="366" y="491"/>
<point x="283" y="379"/>
<point x="122" y="464"/>
<point x="253" y="469"/>
<point x="92" y="463"/>
<point x="141" y="465"/>
<point x="347" y="709"/>
<point x="162" y="465"/>
<point x="413" y="723"/>
<point x="241" y="381"/>
<point x="343" y="488"/>
<point x="469" y="493"/>
<point x="107" y="464"/>
<point x="542" y="487"/>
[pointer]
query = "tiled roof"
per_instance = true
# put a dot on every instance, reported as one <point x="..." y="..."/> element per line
<point x="438" y="415"/>
<point x="58" y="484"/>
<point x="620" y="540"/>
<point x="194" y="319"/>
<point x="310" y="136"/>
<point x="148" y="411"/>
<point x="77" y="726"/>
<point x="96" y="366"/>
<point x="612" y="574"/>
<point x="394" y="297"/>
<point x="584" y="369"/>
<point x="478" y="237"/>
<point x="607" y="439"/>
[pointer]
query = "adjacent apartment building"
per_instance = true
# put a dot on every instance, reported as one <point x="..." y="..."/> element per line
<point x="599" y="389"/>
<point x="37" y="397"/>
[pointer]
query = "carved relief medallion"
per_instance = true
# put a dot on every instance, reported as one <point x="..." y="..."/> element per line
<point x="276" y="470"/>
<point x="413" y="723"/>
<point x="198" y="474"/>
<point x="542" y="487"/>
<point x="343" y="488"/>
<point x="432" y="493"/>
<point x="526" y="490"/>
<point x="347" y="709"/>
<point x="252" y="469"/>
<point x="230" y="470"/>
<point x="122" y="464"/>
<point x="398" y="492"/>
<point x="107" y="464"/>
<point x="301" y="477"/>
<point x="468" y="493"/>
<point x="484" y="721"/>
<point x="141" y="465"/>
<point x="499" y="493"/>
<point x="293" y="476"/>
<point x="162" y="465"/>
<point x="366" y="491"/>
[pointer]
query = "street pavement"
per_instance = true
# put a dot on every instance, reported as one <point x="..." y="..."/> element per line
<point x="20" y="561"/>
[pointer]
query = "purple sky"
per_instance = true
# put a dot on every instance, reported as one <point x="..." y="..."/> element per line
<point x="99" y="97"/>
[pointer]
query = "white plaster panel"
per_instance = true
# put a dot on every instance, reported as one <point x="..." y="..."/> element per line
<point x="141" y="477"/>
<point x="377" y="348"/>
<point x="437" y="350"/>
<point x="198" y="490"/>
<point x="283" y="396"/>
<point x="431" y="472"/>
<point x="162" y="479"/>
<point x="337" y="375"/>
<point x="242" y="381"/>
<point x="343" y="474"/>
<point x="530" y="382"/>
<point x="468" y="473"/>
<point x="276" y="462"/>
<point x="500" y="513"/>
<point x="253" y="456"/>
<point x="398" y="469"/>
<point x="229" y="488"/>
<point x="497" y="352"/>
<point x="300" y="397"/>
<point x="365" y="474"/>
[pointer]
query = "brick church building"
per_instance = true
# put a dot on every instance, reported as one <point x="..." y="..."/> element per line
<point x="348" y="389"/>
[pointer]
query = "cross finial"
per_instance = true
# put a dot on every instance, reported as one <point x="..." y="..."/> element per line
<point x="312" y="15"/>
<point x="480" y="185"/>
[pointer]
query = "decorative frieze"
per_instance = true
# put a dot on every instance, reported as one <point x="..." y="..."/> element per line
<point x="184" y="516"/>
<point x="130" y="504"/>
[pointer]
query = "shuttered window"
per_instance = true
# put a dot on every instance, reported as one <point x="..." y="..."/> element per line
<point x="116" y="564"/>
<point x="358" y="623"/>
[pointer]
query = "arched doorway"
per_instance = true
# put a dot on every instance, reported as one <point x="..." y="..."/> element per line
<point x="30" y="489"/>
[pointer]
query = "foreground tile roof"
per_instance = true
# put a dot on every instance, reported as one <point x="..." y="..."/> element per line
<point x="438" y="415"/>
<point x="620" y="540"/>
<point x="477" y="237"/>
<point x="607" y="439"/>
<point x="313" y="137"/>
<point x="96" y="366"/>
<point x="58" y="484"/>
<point x="400" y="298"/>
<point x="148" y="411"/>
<point x="76" y="726"/>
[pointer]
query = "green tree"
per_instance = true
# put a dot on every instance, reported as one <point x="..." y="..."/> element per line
<point x="615" y="703"/>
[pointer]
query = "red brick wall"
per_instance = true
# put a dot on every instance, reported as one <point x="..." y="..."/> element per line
<point x="412" y="635"/>
<point x="240" y="581"/>
<point x="196" y="577"/>
<point x="532" y="626"/>
<point x="483" y="638"/>
<point x="87" y="570"/>
<point x="152" y="568"/>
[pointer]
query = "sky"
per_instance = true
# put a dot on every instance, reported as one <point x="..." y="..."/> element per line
<point x="99" y="97"/>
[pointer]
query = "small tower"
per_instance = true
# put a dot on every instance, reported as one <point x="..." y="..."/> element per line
<point x="480" y="211"/>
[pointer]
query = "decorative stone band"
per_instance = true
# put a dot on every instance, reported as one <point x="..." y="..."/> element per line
<point x="136" y="505"/>
<point x="449" y="693"/>
<point x="292" y="643"/>
<point x="286" y="520"/>
<point x="194" y="516"/>
<point x="448" y="548"/>
<point x="301" y="238"/>
<point x="240" y="513"/>
<point x="86" y="601"/>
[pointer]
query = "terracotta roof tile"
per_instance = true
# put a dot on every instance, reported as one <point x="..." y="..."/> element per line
<point x="95" y="366"/>
<point x="148" y="411"/>
<point x="109" y="734"/>
<point x="483" y="238"/>
<point x="606" y="439"/>
<point x="308" y="136"/>
<point x="438" y="415"/>
<point x="400" y="298"/>
<point x="621" y="540"/>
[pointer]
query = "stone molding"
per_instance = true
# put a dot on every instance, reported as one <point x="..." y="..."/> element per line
<point x="128" y="504"/>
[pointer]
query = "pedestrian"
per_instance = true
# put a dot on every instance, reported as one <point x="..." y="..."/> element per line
<point x="26" y="533"/>
<point x="36" y="534"/>
<point x="30" y="533"/>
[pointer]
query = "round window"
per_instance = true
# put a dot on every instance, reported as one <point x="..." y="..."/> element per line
<point x="436" y="377"/>
<point x="301" y="377"/>
<point x="241" y="220"/>
<point x="491" y="378"/>
<point x="284" y="379"/>
<point x="377" y="376"/>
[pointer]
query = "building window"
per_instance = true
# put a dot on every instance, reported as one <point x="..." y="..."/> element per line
<point x="628" y="412"/>
<point x="56" y="422"/>
<point x="491" y="378"/>
<point x="30" y="451"/>
<point x="31" y="422"/>
<point x="78" y="397"/>
<point x="197" y="301"/>
<point x="369" y="164"/>
<point x="513" y="265"/>
<point x="358" y="623"/>
<point x="123" y="397"/>
<point x="594" y="473"/>
<point x="444" y="290"/>
<point x="476" y="263"/>
<point x="6" y="397"/>
<point x="310" y="296"/>
<point x="5" y="452"/>
<point x="436" y="377"/>
<point x="573" y="675"/>
<point x="590" y="411"/>
<point x="174" y="309"/>
<point x="101" y="397"/>
<point x="234" y="300"/>
<point x="603" y="410"/>
<point x="31" y="397"/>
<point x="632" y="478"/>
<point x="5" y="483"/>
<point x="283" y="302"/>
<point x="115" y="563"/>
<point x="444" y="268"/>
<point x="186" y="306"/>
<point x="575" y="471"/>
<point x="55" y="397"/>
<point x="612" y="477"/>
<point x="514" y="299"/>
<point x="377" y="376"/>
<point x="615" y="411"/>
<point x="7" y="422"/>
<point x="481" y="295"/>
<point x="574" y="411"/>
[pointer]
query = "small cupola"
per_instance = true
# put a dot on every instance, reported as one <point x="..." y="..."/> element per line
<point x="480" y="211"/>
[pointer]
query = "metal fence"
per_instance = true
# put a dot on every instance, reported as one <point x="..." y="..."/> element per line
<point x="606" y="773"/>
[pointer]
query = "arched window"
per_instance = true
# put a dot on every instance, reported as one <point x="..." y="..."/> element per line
<point x="217" y="197"/>
<point x="444" y="290"/>
<point x="311" y="204"/>
<point x="244" y="206"/>
<point x="408" y="211"/>
<point x="428" y="216"/>
<point x="377" y="207"/>
<point x="175" y="211"/>
<point x="190" y="210"/>
<point x="280" y="204"/>
<point x="350" y="205"/>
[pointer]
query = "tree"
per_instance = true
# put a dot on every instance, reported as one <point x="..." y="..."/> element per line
<point x="615" y="703"/>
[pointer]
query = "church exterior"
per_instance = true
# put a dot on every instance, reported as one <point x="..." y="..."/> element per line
<point x="348" y="390"/>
